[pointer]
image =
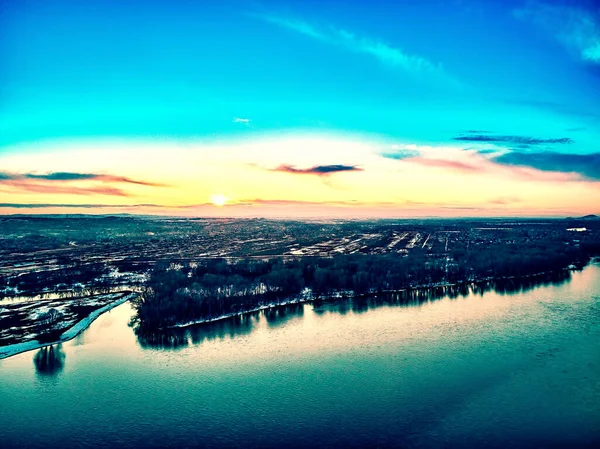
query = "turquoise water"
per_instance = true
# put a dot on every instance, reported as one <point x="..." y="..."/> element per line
<point x="494" y="370"/>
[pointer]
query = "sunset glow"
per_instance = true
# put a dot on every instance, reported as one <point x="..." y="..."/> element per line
<point x="380" y="122"/>
<point x="218" y="200"/>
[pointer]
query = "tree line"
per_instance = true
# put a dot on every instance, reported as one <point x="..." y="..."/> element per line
<point x="215" y="287"/>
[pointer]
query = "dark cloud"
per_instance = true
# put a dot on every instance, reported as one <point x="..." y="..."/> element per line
<point x="60" y="176"/>
<point x="587" y="165"/>
<point x="319" y="170"/>
<point x="70" y="176"/>
<point x="514" y="140"/>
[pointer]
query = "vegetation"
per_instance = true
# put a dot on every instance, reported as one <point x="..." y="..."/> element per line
<point x="301" y="260"/>
<point x="175" y="294"/>
<point x="92" y="275"/>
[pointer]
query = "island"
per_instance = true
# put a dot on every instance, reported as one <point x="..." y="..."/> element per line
<point x="57" y="273"/>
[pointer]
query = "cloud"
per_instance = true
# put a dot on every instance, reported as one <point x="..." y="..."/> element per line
<point x="48" y="205"/>
<point x="60" y="189"/>
<point x="241" y="120"/>
<point x="65" y="183"/>
<point x="446" y="163"/>
<point x="463" y="208"/>
<point x="70" y="176"/>
<point x="329" y="203"/>
<point x="59" y="176"/>
<point x="383" y="52"/>
<point x="100" y="205"/>
<point x="320" y="170"/>
<point x="280" y="202"/>
<point x="487" y="151"/>
<point x="400" y="153"/>
<point x="234" y="204"/>
<point x="516" y="140"/>
<point x="535" y="167"/>
<point x="575" y="27"/>
<point x="588" y="165"/>
<point x="452" y="159"/>
<point x="504" y="200"/>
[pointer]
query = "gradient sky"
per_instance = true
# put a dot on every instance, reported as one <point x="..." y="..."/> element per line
<point x="300" y="108"/>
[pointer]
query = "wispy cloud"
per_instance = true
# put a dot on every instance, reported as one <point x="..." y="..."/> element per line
<point x="45" y="188"/>
<point x="446" y="163"/>
<point x="71" y="176"/>
<point x="233" y="204"/>
<point x="283" y="202"/>
<point x="504" y="200"/>
<point x="383" y="52"/>
<point x="536" y="167"/>
<point x="399" y="153"/>
<point x="516" y="140"/>
<point x="65" y="205"/>
<point x="241" y="120"/>
<point x="320" y="170"/>
<point x="577" y="28"/>
<point x="68" y="183"/>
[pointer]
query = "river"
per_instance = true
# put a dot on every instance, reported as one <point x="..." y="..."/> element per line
<point x="493" y="369"/>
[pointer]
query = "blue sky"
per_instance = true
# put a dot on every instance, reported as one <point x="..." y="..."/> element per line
<point x="521" y="77"/>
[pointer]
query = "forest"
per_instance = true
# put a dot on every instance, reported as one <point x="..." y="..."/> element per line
<point x="178" y="293"/>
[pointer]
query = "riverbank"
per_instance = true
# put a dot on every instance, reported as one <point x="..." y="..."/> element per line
<point x="244" y="312"/>
<point x="307" y="297"/>
<point x="72" y="332"/>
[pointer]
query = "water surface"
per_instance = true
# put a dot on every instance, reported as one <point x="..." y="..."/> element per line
<point x="519" y="369"/>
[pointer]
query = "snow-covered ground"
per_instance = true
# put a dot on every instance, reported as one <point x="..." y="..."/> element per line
<point x="106" y="302"/>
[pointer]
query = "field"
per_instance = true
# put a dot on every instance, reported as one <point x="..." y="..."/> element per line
<point x="77" y="254"/>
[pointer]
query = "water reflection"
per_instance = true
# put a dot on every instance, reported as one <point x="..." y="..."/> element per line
<point x="418" y="296"/>
<point x="179" y="338"/>
<point x="281" y="315"/>
<point x="49" y="361"/>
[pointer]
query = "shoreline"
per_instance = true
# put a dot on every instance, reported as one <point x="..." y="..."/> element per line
<point x="69" y="334"/>
<point x="352" y="296"/>
<point x="245" y="312"/>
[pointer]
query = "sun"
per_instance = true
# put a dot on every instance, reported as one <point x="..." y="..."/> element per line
<point x="218" y="200"/>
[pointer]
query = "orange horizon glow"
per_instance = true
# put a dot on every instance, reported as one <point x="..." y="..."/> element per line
<point x="317" y="176"/>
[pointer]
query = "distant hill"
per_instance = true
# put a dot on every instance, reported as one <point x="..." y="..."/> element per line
<point x="590" y="217"/>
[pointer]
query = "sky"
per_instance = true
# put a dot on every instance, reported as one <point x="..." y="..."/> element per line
<point x="307" y="108"/>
